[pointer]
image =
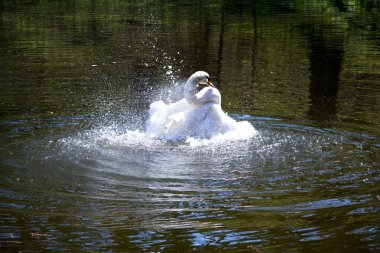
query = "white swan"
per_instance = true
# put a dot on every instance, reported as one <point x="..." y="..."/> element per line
<point x="198" y="115"/>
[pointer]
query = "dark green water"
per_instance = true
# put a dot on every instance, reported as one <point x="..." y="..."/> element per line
<point x="77" y="173"/>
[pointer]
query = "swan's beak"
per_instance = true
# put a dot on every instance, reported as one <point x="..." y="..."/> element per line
<point x="209" y="83"/>
<point x="202" y="84"/>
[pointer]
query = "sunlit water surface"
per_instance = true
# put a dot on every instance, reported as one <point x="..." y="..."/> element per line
<point x="100" y="187"/>
<point x="78" y="173"/>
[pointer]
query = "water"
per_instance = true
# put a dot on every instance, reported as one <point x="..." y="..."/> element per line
<point x="77" y="172"/>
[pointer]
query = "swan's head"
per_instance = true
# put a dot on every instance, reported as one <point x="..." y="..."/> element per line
<point x="196" y="82"/>
<point x="199" y="80"/>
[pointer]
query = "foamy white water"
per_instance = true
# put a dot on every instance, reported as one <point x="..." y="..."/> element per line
<point x="109" y="137"/>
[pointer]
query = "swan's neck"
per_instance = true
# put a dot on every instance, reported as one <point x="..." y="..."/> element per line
<point x="190" y="92"/>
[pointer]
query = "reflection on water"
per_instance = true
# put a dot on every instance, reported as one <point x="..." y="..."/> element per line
<point x="77" y="172"/>
<point x="325" y="67"/>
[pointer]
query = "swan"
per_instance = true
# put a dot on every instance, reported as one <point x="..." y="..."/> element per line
<point x="197" y="115"/>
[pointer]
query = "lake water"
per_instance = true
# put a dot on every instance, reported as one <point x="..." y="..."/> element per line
<point x="78" y="174"/>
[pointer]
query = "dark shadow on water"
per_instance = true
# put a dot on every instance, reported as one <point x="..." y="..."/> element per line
<point x="340" y="5"/>
<point x="325" y="68"/>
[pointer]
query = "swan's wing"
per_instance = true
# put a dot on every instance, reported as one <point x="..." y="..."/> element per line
<point x="156" y="120"/>
<point x="182" y="120"/>
<point x="217" y="122"/>
<point x="165" y="119"/>
<point x="174" y="122"/>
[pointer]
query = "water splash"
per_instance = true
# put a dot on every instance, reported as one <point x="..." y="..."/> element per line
<point x="118" y="136"/>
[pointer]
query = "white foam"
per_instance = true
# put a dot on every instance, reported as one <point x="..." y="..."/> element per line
<point x="108" y="137"/>
<point x="243" y="132"/>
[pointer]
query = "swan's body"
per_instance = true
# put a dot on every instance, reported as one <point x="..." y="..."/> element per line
<point x="198" y="115"/>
